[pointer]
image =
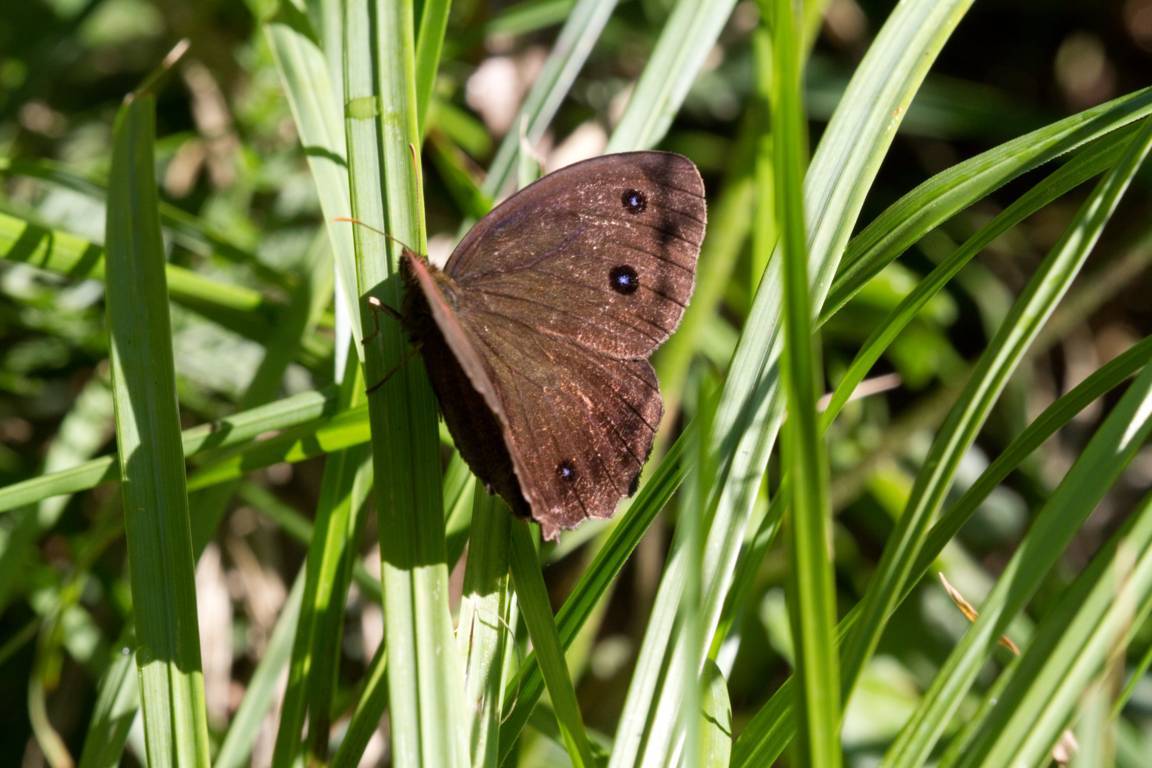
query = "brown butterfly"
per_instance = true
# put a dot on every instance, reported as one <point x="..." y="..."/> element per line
<point x="537" y="332"/>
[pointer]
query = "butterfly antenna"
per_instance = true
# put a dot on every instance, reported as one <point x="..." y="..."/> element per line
<point x="382" y="233"/>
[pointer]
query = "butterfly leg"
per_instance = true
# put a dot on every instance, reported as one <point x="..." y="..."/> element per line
<point x="412" y="350"/>
<point x="377" y="308"/>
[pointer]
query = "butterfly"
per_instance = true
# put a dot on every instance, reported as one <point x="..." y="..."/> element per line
<point x="536" y="334"/>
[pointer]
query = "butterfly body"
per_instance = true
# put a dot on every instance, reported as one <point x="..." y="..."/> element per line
<point x="537" y="332"/>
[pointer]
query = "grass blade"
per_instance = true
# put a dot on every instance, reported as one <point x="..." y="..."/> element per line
<point x="812" y="601"/>
<point x="533" y="600"/>
<point x="1020" y="328"/>
<point x="573" y="45"/>
<point x="151" y="462"/>
<point x="424" y="679"/>
<point x="484" y="629"/>
<point x="1095" y="618"/>
<point x="749" y="412"/>
<point x="688" y="36"/>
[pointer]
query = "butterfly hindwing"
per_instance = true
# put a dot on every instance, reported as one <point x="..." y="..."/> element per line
<point x="580" y="425"/>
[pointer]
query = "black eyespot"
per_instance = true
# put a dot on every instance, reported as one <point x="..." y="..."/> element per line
<point x="624" y="279"/>
<point x="566" y="471"/>
<point x="634" y="201"/>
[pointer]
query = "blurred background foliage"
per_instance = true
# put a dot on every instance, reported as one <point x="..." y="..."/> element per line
<point x="230" y="161"/>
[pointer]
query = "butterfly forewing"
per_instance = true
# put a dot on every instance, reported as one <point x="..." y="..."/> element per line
<point x="602" y="252"/>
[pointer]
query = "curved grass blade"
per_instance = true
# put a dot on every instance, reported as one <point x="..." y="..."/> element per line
<point x="1006" y="349"/>
<point x="1093" y="160"/>
<point x="765" y="737"/>
<point x="573" y="45"/>
<point x="688" y="36"/>
<point x="750" y="410"/>
<point x="1096" y="617"/>
<point x="942" y="196"/>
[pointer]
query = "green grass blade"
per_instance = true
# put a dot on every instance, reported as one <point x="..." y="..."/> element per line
<point x="749" y="412"/>
<point x="150" y="457"/>
<point x="429" y="43"/>
<point x="365" y="719"/>
<point x="1006" y="349"/>
<point x="812" y="601"/>
<point x="939" y="198"/>
<point x="424" y="679"/>
<point x="1093" y="160"/>
<point x="1093" y="621"/>
<point x="316" y="111"/>
<point x="180" y="227"/>
<point x="581" y="30"/>
<point x="239" y="309"/>
<point x="230" y="431"/>
<point x="770" y="730"/>
<point x="82" y="433"/>
<point x="525" y="689"/>
<point x="483" y="632"/>
<point x="532" y="597"/>
<point x="117" y="705"/>
<point x="687" y="37"/>
<point x="313" y="669"/>
<point x="716" y="714"/>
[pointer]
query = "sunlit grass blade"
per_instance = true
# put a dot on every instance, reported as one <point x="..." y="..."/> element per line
<point x="939" y="198"/>
<point x="429" y="42"/>
<point x="729" y="226"/>
<point x="525" y="689"/>
<point x="1037" y="302"/>
<point x="1095" y="618"/>
<point x="180" y="227"/>
<point x="749" y="412"/>
<point x="532" y="597"/>
<point x="239" y="309"/>
<point x="424" y="679"/>
<point x="151" y="461"/>
<point x="687" y="37"/>
<point x="770" y="730"/>
<point x="1093" y="160"/>
<point x="230" y="431"/>
<point x="316" y="109"/>
<point x="812" y="601"/>
<point x="581" y="30"/>
<point x="716" y="717"/>
<point x="313" y="670"/>
<point x="484" y="633"/>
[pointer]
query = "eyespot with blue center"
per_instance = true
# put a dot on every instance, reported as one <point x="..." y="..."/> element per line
<point x="566" y="471"/>
<point x="634" y="201"/>
<point x="623" y="279"/>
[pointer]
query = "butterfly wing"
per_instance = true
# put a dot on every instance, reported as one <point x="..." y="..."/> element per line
<point x="602" y="253"/>
<point x="559" y="431"/>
